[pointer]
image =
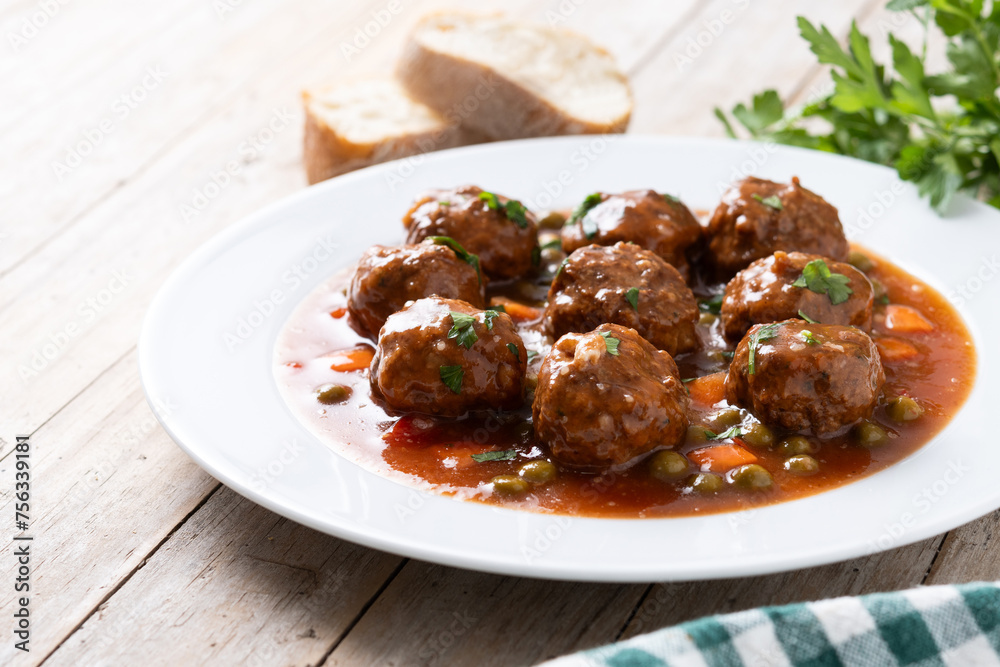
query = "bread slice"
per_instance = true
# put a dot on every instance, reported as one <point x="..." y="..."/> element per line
<point x="511" y="80"/>
<point x="362" y="122"/>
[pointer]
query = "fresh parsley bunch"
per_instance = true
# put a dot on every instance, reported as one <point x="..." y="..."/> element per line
<point x="887" y="114"/>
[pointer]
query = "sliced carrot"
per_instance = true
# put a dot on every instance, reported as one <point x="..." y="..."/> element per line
<point x="294" y="364"/>
<point x="707" y="390"/>
<point x="906" y="320"/>
<point x="720" y="458"/>
<point x="354" y="359"/>
<point x="517" y="311"/>
<point x="337" y="313"/>
<point x="894" y="349"/>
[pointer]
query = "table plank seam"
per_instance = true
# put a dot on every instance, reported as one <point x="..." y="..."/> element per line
<point x="124" y="580"/>
<point x="660" y="44"/>
<point x="361" y="612"/>
<point x="635" y="610"/>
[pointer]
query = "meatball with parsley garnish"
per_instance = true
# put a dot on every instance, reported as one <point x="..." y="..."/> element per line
<point x="606" y="397"/>
<point x="810" y="378"/>
<point x="758" y="217"/>
<point x="657" y="222"/>
<point x="501" y="231"/>
<point x="627" y="285"/>
<point x="386" y="278"/>
<point x="786" y="285"/>
<point x="446" y="357"/>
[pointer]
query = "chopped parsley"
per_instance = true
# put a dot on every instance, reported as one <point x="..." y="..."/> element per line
<point x="817" y="277"/>
<point x="632" y="296"/>
<point x="580" y="213"/>
<point x="463" y="254"/>
<point x="610" y="343"/>
<point x="514" y="351"/>
<point x="513" y="209"/>
<point x="671" y="198"/>
<point x="713" y="304"/>
<point x="809" y="337"/>
<point x="766" y="332"/>
<point x="555" y="243"/>
<point x="562" y="265"/>
<point x="807" y="318"/>
<point x="772" y="202"/>
<point x="730" y="432"/>
<point x="883" y="299"/>
<point x="504" y="455"/>
<point x="444" y="202"/>
<point x="536" y="256"/>
<point x="462" y="329"/>
<point x="452" y="376"/>
<point x="488" y="316"/>
<point x="531" y="355"/>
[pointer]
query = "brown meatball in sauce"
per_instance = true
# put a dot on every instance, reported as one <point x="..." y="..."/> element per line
<point x="445" y="357"/>
<point x="386" y="278"/>
<point x="598" y="405"/>
<point x="502" y="233"/>
<point x="656" y="222"/>
<point x="811" y="378"/>
<point x="595" y="284"/>
<point x="757" y="217"/>
<point x="766" y="292"/>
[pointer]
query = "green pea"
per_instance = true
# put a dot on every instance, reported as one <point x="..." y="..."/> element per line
<point x="903" y="409"/>
<point x="758" y="435"/>
<point x="706" y="318"/>
<point x="725" y="419"/>
<point x="509" y="485"/>
<point x="803" y="464"/>
<point x="330" y="394"/>
<point x="860" y="261"/>
<point x="870" y="434"/>
<point x="704" y="482"/>
<point x="751" y="476"/>
<point x="696" y="434"/>
<point x="553" y="220"/>
<point x="538" y="472"/>
<point x="797" y="444"/>
<point x="667" y="466"/>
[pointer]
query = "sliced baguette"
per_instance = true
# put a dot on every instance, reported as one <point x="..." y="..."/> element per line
<point x="366" y="121"/>
<point x="510" y="80"/>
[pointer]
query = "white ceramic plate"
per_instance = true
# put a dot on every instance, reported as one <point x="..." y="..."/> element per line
<point x="207" y="343"/>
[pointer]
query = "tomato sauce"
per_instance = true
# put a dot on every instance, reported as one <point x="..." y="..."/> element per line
<point x="927" y="354"/>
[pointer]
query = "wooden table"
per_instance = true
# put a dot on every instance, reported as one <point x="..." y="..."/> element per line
<point x="116" y="115"/>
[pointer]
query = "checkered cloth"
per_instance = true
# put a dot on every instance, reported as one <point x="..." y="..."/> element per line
<point x="923" y="627"/>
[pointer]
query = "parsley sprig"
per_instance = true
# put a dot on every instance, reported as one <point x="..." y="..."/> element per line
<point x="766" y="332"/>
<point x="940" y="130"/>
<point x="580" y="213"/>
<point x="513" y="209"/>
<point x="817" y="277"/>
<point x="463" y="329"/>
<point x="463" y="254"/>
<point x="610" y="343"/>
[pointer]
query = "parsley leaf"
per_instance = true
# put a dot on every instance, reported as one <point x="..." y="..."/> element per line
<point x="462" y="329"/>
<point x="772" y="201"/>
<point x="713" y="304"/>
<point x="766" y="332"/>
<point x="531" y="355"/>
<point x="488" y="316"/>
<point x="504" y="455"/>
<point x="444" y="202"/>
<point x="937" y="128"/>
<point x="491" y="200"/>
<point x="632" y="296"/>
<point x="467" y="257"/>
<point x="671" y="199"/>
<point x="580" y="213"/>
<point x="452" y="376"/>
<point x="562" y="265"/>
<point x="809" y="337"/>
<point x="513" y="350"/>
<point x="730" y="432"/>
<point x="555" y="243"/>
<point x="807" y="318"/>
<point x="610" y="343"/>
<point x="513" y="209"/>
<point x="817" y="277"/>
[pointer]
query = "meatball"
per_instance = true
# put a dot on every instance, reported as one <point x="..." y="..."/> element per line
<point x="660" y="223"/>
<point x="757" y="217"/>
<point x="445" y="357"/>
<point x="606" y="397"/>
<point x="386" y="278"/>
<point x="766" y="291"/>
<point x="806" y="377"/>
<point x="501" y="231"/>
<point x="623" y="284"/>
